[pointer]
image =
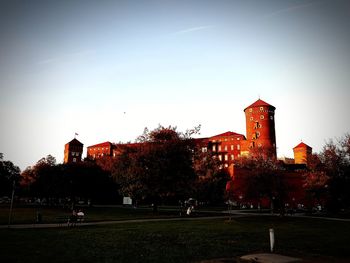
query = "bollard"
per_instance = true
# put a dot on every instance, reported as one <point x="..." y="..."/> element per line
<point x="272" y="239"/>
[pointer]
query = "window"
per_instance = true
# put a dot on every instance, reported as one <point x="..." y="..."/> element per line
<point x="238" y="147"/>
<point x="214" y="148"/>
<point x="237" y="139"/>
<point x="204" y="149"/>
<point x="257" y="134"/>
<point x="232" y="147"/>
<point x="232" y="157"/>
<point x="226" y="165"/>
<point x="261" y="108"/>
<point x="261" y="117"/>
<point x="219" y="149"/>
<point x="259" y="145"/>
<point x="74" y="159"/>
<point x="225" y="147"/>
<point x="220" y="157"/>
<point x="226" y="157"/>
<point x="250" y="110"/>
<point x="225" y="139"/>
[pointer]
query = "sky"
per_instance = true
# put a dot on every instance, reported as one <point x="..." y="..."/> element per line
<point x="108" y="69"/>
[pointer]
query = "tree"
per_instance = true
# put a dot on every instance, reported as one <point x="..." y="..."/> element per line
<point x="157" y="168"/>
<point x="263" y="178"/>
<point x="335" y="159"/>
<point x="85" y="180"/>
<point x="9" y="175"/>
<point x="315" y="181"/>
<point x="211" y="179"/>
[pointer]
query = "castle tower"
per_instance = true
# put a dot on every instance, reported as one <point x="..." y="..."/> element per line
<point x="260" y="125"/>
<point x="73" y="151"/>
<point x="302" y="153"/>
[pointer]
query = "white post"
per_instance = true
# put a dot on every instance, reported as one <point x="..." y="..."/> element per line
<point x="272" y="239"/>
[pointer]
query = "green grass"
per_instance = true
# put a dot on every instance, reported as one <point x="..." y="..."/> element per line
<point x="178" y="241"/>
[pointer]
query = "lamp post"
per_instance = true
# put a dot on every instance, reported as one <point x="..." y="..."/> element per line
<point x="12" y="197"/>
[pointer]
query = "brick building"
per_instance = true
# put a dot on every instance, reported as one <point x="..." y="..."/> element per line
<point x="101" y="149"/>
<point x="302" y="153"/>
<point x="230" y="146"/>
<point x="73" y="151"/>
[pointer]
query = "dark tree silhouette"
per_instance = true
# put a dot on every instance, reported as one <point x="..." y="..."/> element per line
<point x="9" y="175"/>
<point x="159" y="167"/>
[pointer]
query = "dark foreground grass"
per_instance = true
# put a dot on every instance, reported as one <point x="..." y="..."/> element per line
<point x="178" y="241"/>
<point x="27" y="214"/>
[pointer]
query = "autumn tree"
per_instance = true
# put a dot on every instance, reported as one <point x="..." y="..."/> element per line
<point x="211" y="177"/>
<point x="335" y="158"/>
<point x="263" y="177"/>
<point x="85" y="180"/>
<point x="315" y="181"/>
<point x="159" y="167"/>
<point x="9" y="176"/>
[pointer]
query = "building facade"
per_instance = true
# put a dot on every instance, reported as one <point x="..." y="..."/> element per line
<point x="73" y="151"/>
<point x="228" y="146"/>
<point x="302" y="153"/>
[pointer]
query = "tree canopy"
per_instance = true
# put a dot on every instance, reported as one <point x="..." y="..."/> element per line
<point x="9" y="174"/>
<point x="158" y="167"/>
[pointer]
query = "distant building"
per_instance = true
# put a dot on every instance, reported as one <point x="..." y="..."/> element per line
<point x="73" y="151"/>
<point x="260" y="126"/>
<point x="302" y="153"/>
<point x="226" y="146"/>
<point x="230" y="146"/>
<point x="100" y="150"/>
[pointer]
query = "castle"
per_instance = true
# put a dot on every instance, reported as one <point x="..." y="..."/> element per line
<point x="228" y="146"/>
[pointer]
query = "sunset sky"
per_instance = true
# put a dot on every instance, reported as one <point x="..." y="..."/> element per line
<point x="107" y="69"/>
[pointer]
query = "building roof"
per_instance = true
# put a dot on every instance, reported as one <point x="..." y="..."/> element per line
<point x="259" y="103"/>
<point x="102" y="144"/>
<point x="229" y="133"/>
<point x="75" y="142"/>
<point x="302" y="145"/>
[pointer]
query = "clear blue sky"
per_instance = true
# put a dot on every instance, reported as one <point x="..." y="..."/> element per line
<point x="77" y="66"/>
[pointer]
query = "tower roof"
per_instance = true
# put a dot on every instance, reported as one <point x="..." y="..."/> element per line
<point x="259" y="103"/>
<point x="75" y="142"/>
<point x="229" y="133"/>
<point x="302" y="145"/>
<point x="103" y="144"/>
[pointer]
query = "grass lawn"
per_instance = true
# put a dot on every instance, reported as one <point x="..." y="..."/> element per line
<point x="27" y="215"/>
<point x="178" y="241"/>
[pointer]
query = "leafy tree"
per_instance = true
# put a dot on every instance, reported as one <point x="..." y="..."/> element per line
<point x="335" y="159"/>
<point x="9" y="175"/>
<point x="157" y="168"/>
<point x="315" y="181"/>
<point x="211" y="177"/>
<point x="263" y="178"/>
<point x="85" y="180"/>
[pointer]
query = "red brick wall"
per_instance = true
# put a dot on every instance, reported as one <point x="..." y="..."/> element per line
<point x="260" y="127"/>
